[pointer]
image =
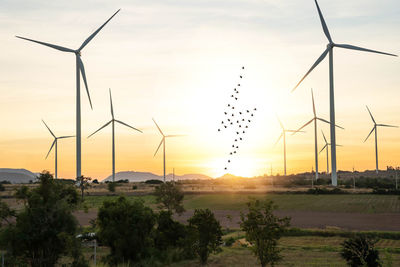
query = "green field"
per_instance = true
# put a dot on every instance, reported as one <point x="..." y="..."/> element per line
<point x="297" y="251"/>
<point x="360" y="203"/>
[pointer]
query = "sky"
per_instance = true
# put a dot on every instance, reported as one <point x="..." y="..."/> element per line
<point x="177" y="62"/>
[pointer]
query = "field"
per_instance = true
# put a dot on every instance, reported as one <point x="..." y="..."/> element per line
<point x="297" y="251"/>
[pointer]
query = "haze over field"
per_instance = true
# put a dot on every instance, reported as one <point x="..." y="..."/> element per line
<point x="177" y="61"/>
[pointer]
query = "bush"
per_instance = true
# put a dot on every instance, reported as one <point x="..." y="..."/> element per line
<point x="229" y="242"/>
<point x="45" y="227"/>
<point x="170" y="197"/>
<point x="360" y="251"/>
<point x="263" y="230"/>
<point x="206" y="232"/>
<point x="134" y="187"/>
<point x="126" y="227"/>
<point x="123" y="181"/>
<point x="95" y="181"/>
<point x="154" y="181"/>
<point x="111" y="186"/>
<point x="2" y="188"/>
<point x="325" y="191"/>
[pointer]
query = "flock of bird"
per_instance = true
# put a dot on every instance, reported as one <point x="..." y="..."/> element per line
<point x="236" y="120"/>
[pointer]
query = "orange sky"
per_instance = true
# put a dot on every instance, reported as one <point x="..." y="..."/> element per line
<point x="178" y="63"/>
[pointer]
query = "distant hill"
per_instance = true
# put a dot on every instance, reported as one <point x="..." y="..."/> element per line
<point x="133" y="176"/>
<point x="17" y="176"/>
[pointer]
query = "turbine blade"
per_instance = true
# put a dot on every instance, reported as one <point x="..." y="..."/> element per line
<point x="123" y="123"/>
<point x="162" y="140"/>
<point x="111" y="104"/>
<point x="67" y="136"/>
<point x="323" y="148"/>
<point x="313" y="104"/>
<point x="370" y="133"/>
<point x="175" y="135"/>
<point x="372" y="117"/>
<point x="60" y="48"/>
<point x="158" y="128"/>
<point x="55" y="140"/>
<point x="324" y="26"/>
<point x="105" y="125"/>
<point x="298" y="130"/>
<point x="49" y="129"/>
<point x="82" y="69"/>
<point x="323" y="135"/>
<point x="352" y="47"/>
<point x="321" y="119"/>
<point x="387" y="125"/>
<point x="283" y="128"/>
<point x="96" y="32"/>
<point x="321" y="57"/>
<point x="278" y="139"/>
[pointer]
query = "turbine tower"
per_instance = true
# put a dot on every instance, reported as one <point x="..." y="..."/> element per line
<point x="163" y="143"/>
<point x="329" y="50"/>
<point x="315" y="119"/>
<point x="375" y="128"/>
<point x="113" y="121"/>
<point x="326" y="146"/>
<point x="80" y="69"/>
<point x="283" y="134"/>
<point x="55" y="143"/>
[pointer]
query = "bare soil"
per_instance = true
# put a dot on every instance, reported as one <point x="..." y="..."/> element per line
<point x="301" y="219"/>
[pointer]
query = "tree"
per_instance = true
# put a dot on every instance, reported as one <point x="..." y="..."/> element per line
<point x="44" y="228"/>
<point x="263" y="230"/>
<point x="111" y="186"/>
<point x="83" y="184"/>
<point x="170" y="197"/>
<point x="360" y="251"/>
<point x="126" y="227"/>
<point x="207" y="233"/>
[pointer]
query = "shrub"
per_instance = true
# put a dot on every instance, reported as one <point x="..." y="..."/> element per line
<point x="360" y="251"/>
<point x="95" y="181"/>
<point x="111" y="186"/>
<point x="206" y="231"/>
<point x="2" y="188"/>
<point x="229" y="242"/>
<point x="45" y="227"/>
<point x="134" y="187"/>
<point x="126" y="227"/>
<point x="154" y="181"/>
<point x="170" y="197"/>
<point x="263" y="230"/>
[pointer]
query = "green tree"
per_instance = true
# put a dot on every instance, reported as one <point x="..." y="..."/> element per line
<point x="170" y="196"/>
<point x="83" y="184"/>
<point x="111" y="186"/>
<point x="126" y="227"/>
<point x="263" y="230"/>
<point x="360" y="251"/>
<point x="206" y="232"/>
<point x="44" y="229"/>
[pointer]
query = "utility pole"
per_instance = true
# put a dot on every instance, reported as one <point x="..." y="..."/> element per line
<point x="354" y="180"/>
<point x="94" y="254"/>
<point x="173" y="174"/>
<point x="312" y="179"/>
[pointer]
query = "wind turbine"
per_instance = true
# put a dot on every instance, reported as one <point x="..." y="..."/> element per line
<point x="163" y="143"/>
<point x="55" y="142"/>
<point x="80" y="69"/>
<point x="315" y="119"/>
<point x="113" y="121"/>
<point x="329" y="50"/>
<point x="283" y="134"/>
<point x="375" y="128"/>
<point x="326" y="146"/>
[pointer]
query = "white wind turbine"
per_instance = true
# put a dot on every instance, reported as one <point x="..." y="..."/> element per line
<point x="283" y="134"/>
<point x="326" y="146"/>
<point x="80" y="69"/>
<point x="375" y="128"/>
<point x="55" y="143"/>
<point x="163" y="143"/>
<point x="113" y="121"/>
<point x="329" y="50"/>
<point x="315" y="119"/>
